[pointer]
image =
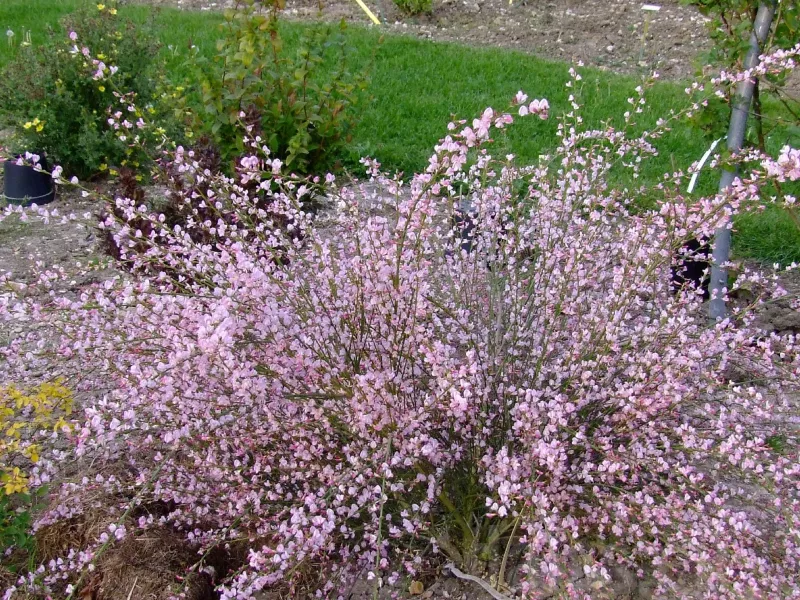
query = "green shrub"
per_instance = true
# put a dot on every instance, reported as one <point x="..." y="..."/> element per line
<point x="414" y="7"/>
<point x="15" y="522"/>
<point x="300" y="103"/>
<point x="55" y="108"/>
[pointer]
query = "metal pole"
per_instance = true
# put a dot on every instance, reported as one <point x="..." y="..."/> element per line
<point x="740" y="109"/>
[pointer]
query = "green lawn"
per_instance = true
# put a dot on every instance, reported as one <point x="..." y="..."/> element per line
<point x="416" y="85"/>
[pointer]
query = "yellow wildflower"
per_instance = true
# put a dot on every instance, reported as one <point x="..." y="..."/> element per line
<point x="102" y="88"/>
<point x="101" y="7"/>
<point x="37" y="124"/>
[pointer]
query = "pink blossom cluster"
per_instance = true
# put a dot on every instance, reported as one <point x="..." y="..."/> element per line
<point x="787" y="165"/>
<point x="29" y="159"/>
<point x="363" y="393"/>
<point x="779" y="61"/>
<point x="536" y="107"/>
<point x="126" y="120"/>
<point x="99" y="69"/>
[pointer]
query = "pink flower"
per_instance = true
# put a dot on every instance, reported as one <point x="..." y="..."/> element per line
<point x="540" y="108"/>
<point x="787" y="166"/>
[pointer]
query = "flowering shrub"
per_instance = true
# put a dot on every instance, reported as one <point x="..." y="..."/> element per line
<point x="379" y="391"/>
<point x="57" y="95"/>
<point x="180" y="209"/>
<point x="302" y="103"/>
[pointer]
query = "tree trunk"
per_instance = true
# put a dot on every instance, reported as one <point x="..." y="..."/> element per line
<point x="741" y="106"/>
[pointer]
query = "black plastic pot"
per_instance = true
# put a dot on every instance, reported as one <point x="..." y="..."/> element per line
<point x="25" y="185"/>
<point x="693" y="266"/>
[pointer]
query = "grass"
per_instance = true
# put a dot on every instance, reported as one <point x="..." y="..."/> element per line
<point x="771" y="236"/>
<point x="417" y="85"/>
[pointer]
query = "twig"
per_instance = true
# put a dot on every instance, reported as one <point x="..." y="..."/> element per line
<point x="502" y="574"/>
<point x="487" y="588"/>
<point x="133" y="587"/>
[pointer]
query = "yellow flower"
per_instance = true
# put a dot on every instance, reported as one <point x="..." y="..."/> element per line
<point x="103" y="167"/>
<point x="102" y="88"/>
<point x="101" y="56"/>
<point x="28" y="125"/>
<point x="113" y="11"/>
<point x="101" y="7"/>
<point x="39" y="127"/>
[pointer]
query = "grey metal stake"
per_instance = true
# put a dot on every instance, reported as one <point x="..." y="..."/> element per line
<point x="736" y="131"/>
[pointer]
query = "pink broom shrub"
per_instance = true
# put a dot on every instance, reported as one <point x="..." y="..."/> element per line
<point x="488" y="366"/>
